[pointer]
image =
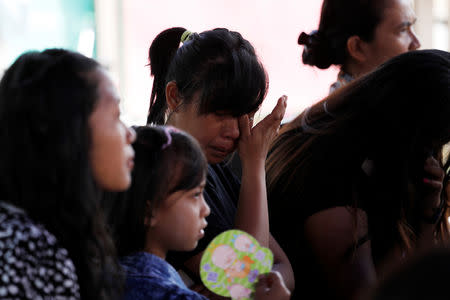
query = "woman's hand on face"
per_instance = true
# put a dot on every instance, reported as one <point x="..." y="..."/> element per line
<point x="254" y="142"/>
<point x="271" y="286"/>
<point x="433" y="184"/>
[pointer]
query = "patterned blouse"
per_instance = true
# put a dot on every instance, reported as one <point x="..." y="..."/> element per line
<point x="32" y="263"/>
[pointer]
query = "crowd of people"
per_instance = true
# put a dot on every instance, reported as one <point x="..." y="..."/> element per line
<point x="351" y="196"/>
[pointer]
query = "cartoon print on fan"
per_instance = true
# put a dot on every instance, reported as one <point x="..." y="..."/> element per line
<point x="232" y="262"/>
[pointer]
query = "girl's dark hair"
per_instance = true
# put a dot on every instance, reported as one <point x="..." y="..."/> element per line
<point x="220" y="64"/>
<point x="339" y="20"/>
<point x="163" y="166"/>
<point x="46" y="99"/>
<point x="392" y="117"/>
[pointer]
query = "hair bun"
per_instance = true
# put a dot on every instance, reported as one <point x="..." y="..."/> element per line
<point x="317" y="51"/>
<point x="308" y="39"/>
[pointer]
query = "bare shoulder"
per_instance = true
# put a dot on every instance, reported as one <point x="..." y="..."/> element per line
<point x="335" y="228"/>
<point x="339" y="239"/>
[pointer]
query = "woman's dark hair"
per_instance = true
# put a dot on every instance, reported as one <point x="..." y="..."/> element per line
<point x="339" y="20"/>
<point x="394" y="117"/>
<point x="220" y="64"/>
<point x="46" y="99"/>
<point x="166" y="161"/>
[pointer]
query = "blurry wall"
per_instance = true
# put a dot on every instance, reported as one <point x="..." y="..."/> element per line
<point x="39" y="24"/>
<point x="271" y="26"/>
<point x="119" y="32"/>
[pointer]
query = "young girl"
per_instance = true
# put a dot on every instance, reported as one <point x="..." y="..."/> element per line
<point x="62" y="142"/>
<point x="211" y="86"/>
<point x="164" y="210"/>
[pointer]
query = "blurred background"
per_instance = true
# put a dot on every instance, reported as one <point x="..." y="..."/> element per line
<point x="118" y="33"/>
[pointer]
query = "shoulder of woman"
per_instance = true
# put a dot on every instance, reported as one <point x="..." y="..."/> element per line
<point x="335" y="228"/>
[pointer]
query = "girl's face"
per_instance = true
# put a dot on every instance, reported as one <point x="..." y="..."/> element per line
<point x="178" y="223"/>
<point x="394" y="35"/>
<point x="111" y="154"/>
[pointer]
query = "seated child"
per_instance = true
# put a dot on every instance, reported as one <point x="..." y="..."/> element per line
<point x="165" y="210"/>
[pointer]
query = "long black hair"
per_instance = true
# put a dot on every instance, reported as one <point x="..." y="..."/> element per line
<point x="220" y="64"/>
<point x="391" y="117"/>
<point x="166" y="161"/>
<point x="46" y="99"/>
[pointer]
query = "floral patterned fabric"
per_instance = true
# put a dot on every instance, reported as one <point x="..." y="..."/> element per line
<point x="32" y="263"/>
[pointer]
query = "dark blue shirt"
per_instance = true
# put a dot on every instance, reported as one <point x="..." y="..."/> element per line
<point x="150" y="277"/>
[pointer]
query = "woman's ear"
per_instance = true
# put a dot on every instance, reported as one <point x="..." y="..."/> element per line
<point x="173" y="97"/>
<point x="356" y="48"/>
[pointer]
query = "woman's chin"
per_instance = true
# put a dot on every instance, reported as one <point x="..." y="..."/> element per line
<point x="215" y="157"/>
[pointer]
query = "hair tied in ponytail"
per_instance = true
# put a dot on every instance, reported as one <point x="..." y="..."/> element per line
<point x="186" y="36"/>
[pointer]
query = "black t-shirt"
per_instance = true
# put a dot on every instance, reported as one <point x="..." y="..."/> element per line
<point x="305" y="195"/>
<point x="222" y="194"/>
<point x="287" y="216"/>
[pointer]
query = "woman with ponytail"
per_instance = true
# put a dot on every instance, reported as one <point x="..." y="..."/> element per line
<point x="211" y="85"/>
<point x="359" y="35"/>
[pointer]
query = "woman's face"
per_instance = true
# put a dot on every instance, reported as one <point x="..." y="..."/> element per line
<point x="111" y="154"/>
<point x="217" y="133"/>
<point x="394" y="35"/>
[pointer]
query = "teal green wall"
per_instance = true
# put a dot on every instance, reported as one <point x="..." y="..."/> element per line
<point x="41" y="24"/>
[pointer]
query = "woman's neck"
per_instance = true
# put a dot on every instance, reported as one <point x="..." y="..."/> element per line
<point x="355" y="69"/>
